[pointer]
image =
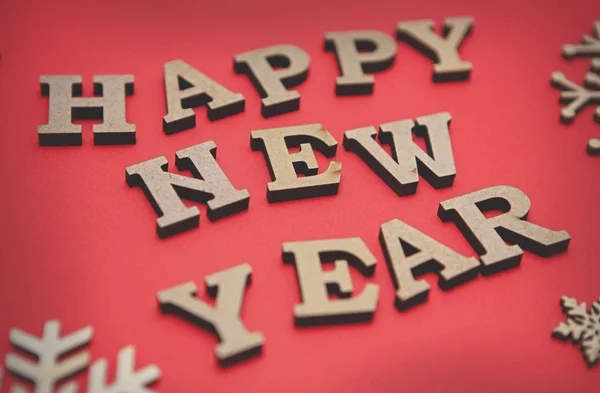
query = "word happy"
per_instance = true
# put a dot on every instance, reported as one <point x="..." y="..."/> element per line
<point x="272" y="71"/>
<point x="296" y="175"/>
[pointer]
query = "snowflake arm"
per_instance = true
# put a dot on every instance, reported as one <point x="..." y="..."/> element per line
<point x="576" y="96"/>
<point x="49" y="370"/>
<point x="127" y="379"/>
<point x="590" y="345"/>
<point x="589" y="47"/>
<point x="576" y="315"/>
<point x="591" y="350"/>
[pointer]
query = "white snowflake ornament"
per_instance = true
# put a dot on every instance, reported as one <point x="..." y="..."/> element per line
<point x="582" y="327"/>
<point x="578" y="97"/>
<point x="50" y="368"/>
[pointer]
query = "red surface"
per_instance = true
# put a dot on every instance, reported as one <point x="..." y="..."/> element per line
<point x="80" y="246"/>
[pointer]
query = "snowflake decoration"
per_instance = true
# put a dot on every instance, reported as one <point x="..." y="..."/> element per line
<point x="582" y="327"/>
<point x="578" y="97"/>
<point x="50" y="368"/>
<point x="589" y="47"/>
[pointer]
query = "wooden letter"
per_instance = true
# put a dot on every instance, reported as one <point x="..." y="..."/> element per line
<point x="316" y="284"/>
<point x="488" y="235"/>
<point x="399" y="172"/>
<point x="443" y="51"/>
<point x="187" y="88"/>
<point x="237" y="343"/>
<point x="410" y="253"/>
<point x="66" y="104"/>
<point x="284" y="166"/>
<point x="210" y="186"/>
<point x="380" y="53"/>
<point x="271" y="83"/>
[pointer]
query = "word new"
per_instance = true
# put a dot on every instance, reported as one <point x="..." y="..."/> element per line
<point x="210" y="185"/>
<point x="408" y="253"/>
<point x="272" y="70"/>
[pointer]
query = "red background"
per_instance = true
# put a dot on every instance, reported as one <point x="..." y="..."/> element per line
<point x="78" y="245"/>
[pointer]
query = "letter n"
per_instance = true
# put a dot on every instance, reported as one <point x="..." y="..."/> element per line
<point x="209" y="185"/>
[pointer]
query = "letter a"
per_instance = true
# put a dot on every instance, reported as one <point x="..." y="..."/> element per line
<point x="409" y="253"/>
<point x="187" y="88"/>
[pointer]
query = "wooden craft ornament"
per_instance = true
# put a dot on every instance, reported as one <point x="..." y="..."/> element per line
<point x="379" y="52"/>
<point x="316" y="285"/>
<point x="409" y="252"/>
<point x="272" y="84"/>
<point x="66" y="104"/>
<point x="209" y="185"/>
<point x="187" y="88"/>
<point x="488" y="235"/>
<point x="401" y="171"/>
<point x="228" y="286"/>
<point x="449" y="66"/>
<point x="284" y="166"/>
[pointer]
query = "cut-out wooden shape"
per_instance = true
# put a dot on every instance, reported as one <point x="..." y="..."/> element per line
<point x="582" y="328"/>
<point x="127" y="379"/>
<point x="284" y="166"/>
<point x="187" y="88"/>
<point x="576" y="98"/>
<point x="51" y="367"/>
<point x="442" y="50"/>
<point x="358" y="52"/>
<point x="401" y="171"/>
<point x="316" y="285"/>
<point x="589" y="47"/>
<point x="410" y="253"/>
<point x="237" y="343"/>
<point x="488" y="236"/>
<point x="65" y="104"/>
<point x="272" y="71"/>
<point x="164" y="190"/>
